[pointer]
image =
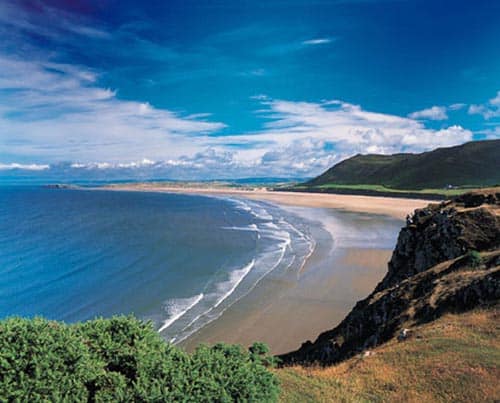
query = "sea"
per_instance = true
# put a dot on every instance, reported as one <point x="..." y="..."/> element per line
<point x="177" y="260"/>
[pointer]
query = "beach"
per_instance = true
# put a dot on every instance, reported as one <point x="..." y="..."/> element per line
<point x="354" y="238"/>
<point x="392" y="206"/>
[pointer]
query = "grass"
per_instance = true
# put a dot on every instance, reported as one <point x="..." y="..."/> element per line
<point x="382" y="188"/>
<point x="454" y="359"/>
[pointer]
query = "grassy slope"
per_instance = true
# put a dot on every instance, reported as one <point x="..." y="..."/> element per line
<point x="473" y="164"/>
<point x="384" y="189"/>
<point x="455" y="358"/>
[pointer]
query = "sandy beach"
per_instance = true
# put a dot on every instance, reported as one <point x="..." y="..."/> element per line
<point x="355" y="236"/>
<point x="286" y="309"/>
<point x="395" y="207"/>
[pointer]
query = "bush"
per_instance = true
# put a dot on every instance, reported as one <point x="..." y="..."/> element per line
<point x="474" y="259"/>
<point x="123" y="359"/>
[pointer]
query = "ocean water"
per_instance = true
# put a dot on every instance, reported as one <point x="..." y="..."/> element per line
<point x="177" y="260"/>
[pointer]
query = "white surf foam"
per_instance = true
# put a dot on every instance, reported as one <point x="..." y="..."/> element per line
<point x="235" y="278"/>
<point x="251" y="227"/>
<point x="176" y="308"/>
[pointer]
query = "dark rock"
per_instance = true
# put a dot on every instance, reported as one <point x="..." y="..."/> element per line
<point x="429" y="274"/>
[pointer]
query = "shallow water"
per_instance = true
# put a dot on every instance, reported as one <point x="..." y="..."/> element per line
<point x="178" y="260"/>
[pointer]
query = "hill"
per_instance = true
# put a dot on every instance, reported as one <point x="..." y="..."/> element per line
<point x="474" y="164"/>
<point x="432" y="321"/>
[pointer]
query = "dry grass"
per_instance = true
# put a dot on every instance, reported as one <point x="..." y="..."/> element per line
<point x="454" y="359"/>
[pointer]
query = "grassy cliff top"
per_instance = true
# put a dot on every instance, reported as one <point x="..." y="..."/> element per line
<point x="454" y="359"/>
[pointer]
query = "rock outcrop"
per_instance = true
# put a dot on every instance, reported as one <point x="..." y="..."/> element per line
<point x="447" y="259"/>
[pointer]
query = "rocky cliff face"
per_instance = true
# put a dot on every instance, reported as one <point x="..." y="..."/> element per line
<point x="447" y="259"/>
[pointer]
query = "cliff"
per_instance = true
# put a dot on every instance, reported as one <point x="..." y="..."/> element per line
<point x="447" y="259"/>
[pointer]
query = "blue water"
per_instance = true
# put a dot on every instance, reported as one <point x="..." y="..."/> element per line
<point x="178" y="260"/>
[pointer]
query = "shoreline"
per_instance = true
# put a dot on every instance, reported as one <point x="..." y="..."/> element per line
<point x="354" y="237"/>
<point x="286" y="309"/>
<point x="392" y="206"/>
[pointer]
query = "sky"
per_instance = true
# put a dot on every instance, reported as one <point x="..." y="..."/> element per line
<point x="237" y="88"/>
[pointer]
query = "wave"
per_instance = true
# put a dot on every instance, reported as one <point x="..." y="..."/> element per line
<point x="235" y="278"/>
<point x="178" y="307"/>
<point x="275" y="236"/>
<point x="251" y="227"/>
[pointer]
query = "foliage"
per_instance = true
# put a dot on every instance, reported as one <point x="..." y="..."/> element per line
<point x="123" y="359"/>
<point x="474" y="259"/>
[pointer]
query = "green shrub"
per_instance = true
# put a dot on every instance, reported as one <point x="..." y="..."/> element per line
<point x="474" y="259"/>
<point x="123" y="359"/>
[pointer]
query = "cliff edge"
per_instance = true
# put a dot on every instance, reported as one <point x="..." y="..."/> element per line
<point x="447" y="260"/>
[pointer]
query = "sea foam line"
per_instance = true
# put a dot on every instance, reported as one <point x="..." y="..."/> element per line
<point x="191" y="302"/>
<point x="241" y="273"/>
<point x="283" y="245"/>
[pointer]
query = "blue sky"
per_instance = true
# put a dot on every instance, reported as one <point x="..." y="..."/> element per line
<point x="215" y="88"/>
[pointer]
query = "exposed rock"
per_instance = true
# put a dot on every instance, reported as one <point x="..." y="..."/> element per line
<point x="403" y="334"/>
<point x="430" y="273"/>
<point x="444" y="231"/>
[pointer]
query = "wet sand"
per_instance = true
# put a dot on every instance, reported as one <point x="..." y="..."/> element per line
<point x="355" y="236"/>
<point x="286" y="309"/>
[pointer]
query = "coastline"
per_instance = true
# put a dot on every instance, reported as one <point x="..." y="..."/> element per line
<point x="354" y="235"/>
<point x="392" y="206"/>
<point x="286" y="309"/>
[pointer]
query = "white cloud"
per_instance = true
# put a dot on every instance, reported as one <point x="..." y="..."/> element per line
<point x="305" y="138"/>
<point x="489" y="110"/>
<point x="119" y="165"/>
<point x="317" y="41"/>
<point x="26" y="167"/>
<point x="433" y="113"/>
<point x="56" y="112"/>
<point x="491" y="134"/>
<point x="457" y="106"/>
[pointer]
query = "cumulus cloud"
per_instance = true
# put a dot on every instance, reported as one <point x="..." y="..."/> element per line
<point x="433" y="113"/>
<point x="349" y="128"/>
<point x="489" y="110"/>
<point x="52" y="112"/>
<point x="298" y="139"/>
<point x="304" y="138"/>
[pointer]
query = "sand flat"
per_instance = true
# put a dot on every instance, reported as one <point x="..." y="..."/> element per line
<point x="286" y="309"/>
<point x="393" y="206"/>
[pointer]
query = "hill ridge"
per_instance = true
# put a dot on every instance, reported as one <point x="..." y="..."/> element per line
<point x="475" y="163"/>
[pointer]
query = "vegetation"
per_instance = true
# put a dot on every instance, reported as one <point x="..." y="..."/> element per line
<point x="123" y="359"/>
<point x="456" y="358"/>
<point x="474" y="259"/>
<point x="384" y="189"/>
<point x="473" y="164"/>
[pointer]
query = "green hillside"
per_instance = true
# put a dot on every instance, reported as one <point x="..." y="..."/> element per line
<point x="474" y="164"/>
